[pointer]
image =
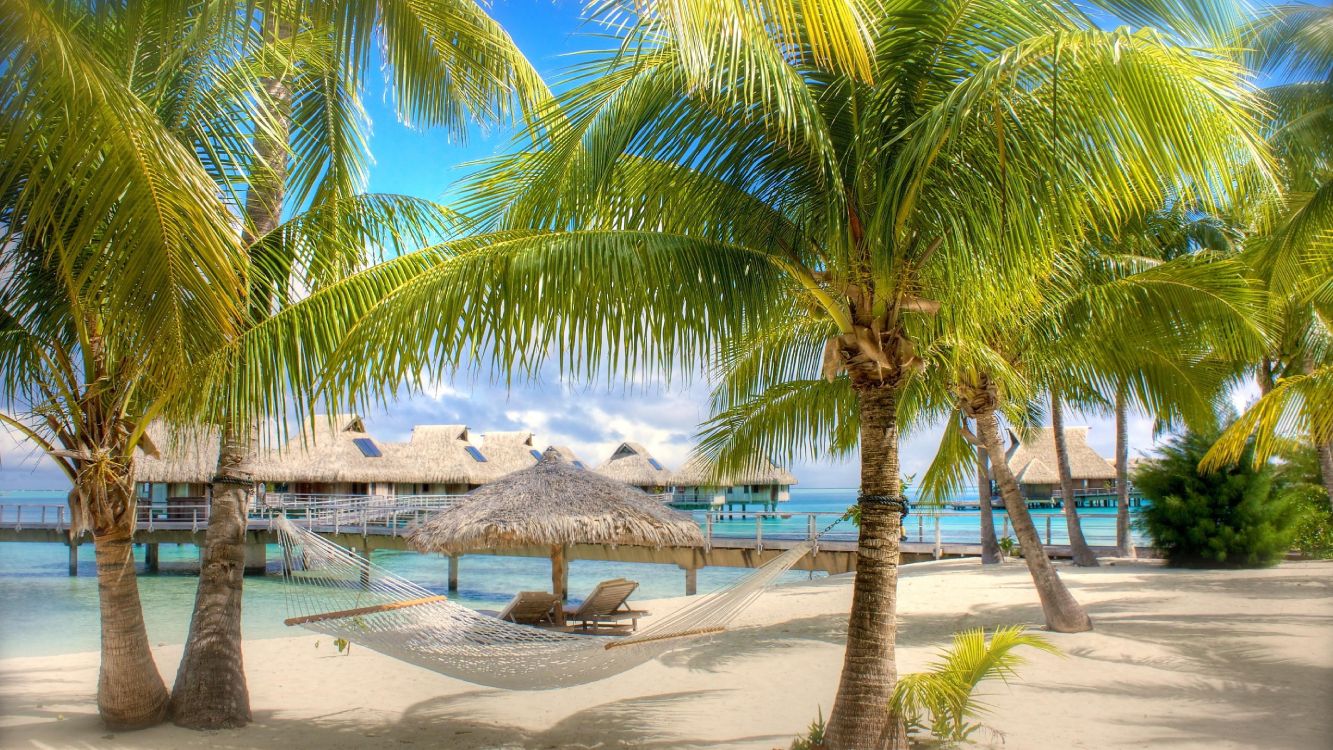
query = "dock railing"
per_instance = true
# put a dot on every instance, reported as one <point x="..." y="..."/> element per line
<point x="394" y="516"/>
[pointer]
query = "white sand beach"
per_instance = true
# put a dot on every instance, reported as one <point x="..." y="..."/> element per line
<point x="1179" y="659"/>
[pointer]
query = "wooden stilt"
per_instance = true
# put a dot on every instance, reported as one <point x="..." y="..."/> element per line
<point x="453" y="572"/>
<point x="150" y="557"/>
<point x="73" y="559"/>
<point x="691" y="581"/>
<point x="559" y="580"/>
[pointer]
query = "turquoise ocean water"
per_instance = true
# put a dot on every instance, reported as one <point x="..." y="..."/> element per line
<point x="45" y="611"/>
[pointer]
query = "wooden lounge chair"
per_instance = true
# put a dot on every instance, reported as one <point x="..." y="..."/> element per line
<point x="607" y="606"/>
<point x="531" y="608"/>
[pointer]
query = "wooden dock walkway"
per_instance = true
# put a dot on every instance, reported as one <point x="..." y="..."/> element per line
<point x="747" y="542"/>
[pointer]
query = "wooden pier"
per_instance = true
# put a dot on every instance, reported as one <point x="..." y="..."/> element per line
<point x="370" y="526"/>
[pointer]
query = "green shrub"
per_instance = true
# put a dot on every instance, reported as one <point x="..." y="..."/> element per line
<point x="1227" y="518"/>
<point x="1314" y="532"/>
<point x="943" y="699"/>
<point x="813" y="739"/>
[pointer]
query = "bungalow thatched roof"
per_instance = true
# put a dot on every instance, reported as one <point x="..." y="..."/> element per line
<point x="698" y="473"/>
<point x="336" y="449"/>
<point x="631" y="463"/>
<point x="1033" y="460"/>
<point x="554" y="503"/>
<point x="183" y="455"/>
<point x="568" y="455"/>
<point x="507" y="452"/>
<point x="434" y="454"/>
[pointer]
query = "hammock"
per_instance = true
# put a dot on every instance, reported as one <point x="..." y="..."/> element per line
<point x="339" y="593"/>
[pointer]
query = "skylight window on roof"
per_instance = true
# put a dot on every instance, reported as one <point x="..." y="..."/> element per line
<point x="368" y="447"/>
<point x="476" y="454"/>
<point x="536" y="454"/>
<point x="580" y="464"/>
<point x="655" y="464"/>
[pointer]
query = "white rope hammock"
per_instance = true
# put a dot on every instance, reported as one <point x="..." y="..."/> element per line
<point x="339" y="593"/>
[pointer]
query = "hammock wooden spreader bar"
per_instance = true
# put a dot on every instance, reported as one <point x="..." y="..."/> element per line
<point x="330" y="592"/>
<point x="341" y="614"/>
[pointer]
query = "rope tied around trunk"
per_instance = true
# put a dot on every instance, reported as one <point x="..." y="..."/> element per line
<point x="895" y="504"/>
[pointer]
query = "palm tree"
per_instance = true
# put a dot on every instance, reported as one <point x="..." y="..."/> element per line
<point x="120" y="268"/>
<point x="1291" y="251"/>
<point x="698" y="185"/>
<point x="847" y="186"/>
<point x="449" y="66"/>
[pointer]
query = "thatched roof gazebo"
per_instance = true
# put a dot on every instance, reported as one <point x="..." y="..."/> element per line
<point x="554" y="504"/>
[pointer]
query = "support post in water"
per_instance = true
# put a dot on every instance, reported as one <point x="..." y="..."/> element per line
<point x="691" y="581"/>
<point x="453" y="572"/>
<point x="73" y="559"/>
<point x="256" y="559"/>
<point x="365" y="566"/>
<point x="150" y="562"/>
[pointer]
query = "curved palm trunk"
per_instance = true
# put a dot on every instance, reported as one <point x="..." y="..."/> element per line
<point x="210" y="683"/>
<point x="860" y="718"/>
<point x="990" y="546"/>
<point x="1123" y="541"/>
<point x="1063" y="613"/>
<point x="210" y="691"/>
<point x="130" y="690"/>
<point x="1078" y="546"/>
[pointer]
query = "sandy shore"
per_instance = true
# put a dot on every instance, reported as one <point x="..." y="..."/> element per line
<point x="1179" y="659"/>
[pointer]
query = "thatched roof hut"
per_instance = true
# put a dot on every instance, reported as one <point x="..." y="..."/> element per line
<point x="507" y="452"/>
<point x="435" y="454"/>
<point x="1034" y="462"/>
<point x="568" y="455"/>
<point x="697" y="472"/>
<point x="632" y="464"/>
<point x="554" y="504"/>
<point x="327" y="450"/>
<point x="184" y="456"/>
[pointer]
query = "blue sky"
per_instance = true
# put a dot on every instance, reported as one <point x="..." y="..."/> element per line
<point x="592" y="419"/>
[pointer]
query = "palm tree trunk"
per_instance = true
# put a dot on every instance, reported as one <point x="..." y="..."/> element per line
<point x="211" y="691"/>
<point x="1078" y="546"/>
<point x="990" y="546"/>
<point x="130" y="690"/>
<point x="210" y="682"/>
<point x="860" y="718"/>
<point x="1063" y="613"/>
<point x="1123" y="541"/>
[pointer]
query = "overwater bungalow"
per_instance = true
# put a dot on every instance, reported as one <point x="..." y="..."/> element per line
<point x="1034" y="464"/>
<point x="339" y="456"/>
<point x="632" y="464"/>
<point x="694" y="487"/>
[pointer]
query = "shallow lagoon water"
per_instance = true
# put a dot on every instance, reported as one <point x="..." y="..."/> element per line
<point x="47" y="612"/>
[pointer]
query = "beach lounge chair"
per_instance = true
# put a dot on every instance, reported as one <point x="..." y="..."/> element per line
<point x="531" y="608"/>
<point x="607" y="606"/>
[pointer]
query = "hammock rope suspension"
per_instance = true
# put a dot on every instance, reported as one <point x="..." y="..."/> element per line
<point x="337" y="592"/>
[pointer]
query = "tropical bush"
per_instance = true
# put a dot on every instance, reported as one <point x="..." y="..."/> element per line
<point x="1298" y="477"/>
<point x="813" y="739"/>
<point x="1228" y="517"/>
<point x="942" y="700"/>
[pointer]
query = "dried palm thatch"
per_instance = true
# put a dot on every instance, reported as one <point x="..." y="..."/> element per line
<point x="1033" y="460"/>
<point x="633" y="464"/>
<point x="698" y="472"/>
<point x="184" y="456"/>
<point x="554" y="503"/>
